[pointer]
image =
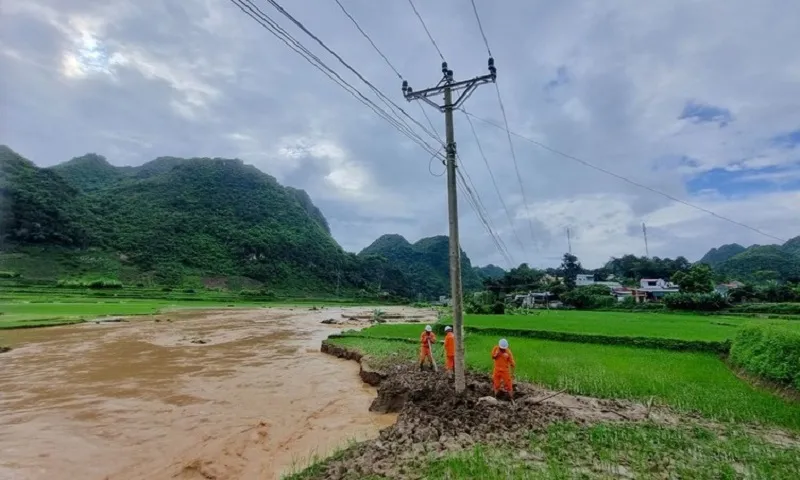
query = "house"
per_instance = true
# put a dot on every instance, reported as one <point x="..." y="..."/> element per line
<point x="584" y="279"/>
<point x="654" y="289"/>
<point x="443" y="301"/>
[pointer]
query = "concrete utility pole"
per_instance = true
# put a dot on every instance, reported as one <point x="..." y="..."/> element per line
<point x="447" y="86"/>
<point x="569" y="242"/>
<point x="646" y="247"/>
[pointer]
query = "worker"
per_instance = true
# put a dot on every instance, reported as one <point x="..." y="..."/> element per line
<point x="427" y="339"/>
<point x="503" y="364"/>
<point x="449" y="350"/>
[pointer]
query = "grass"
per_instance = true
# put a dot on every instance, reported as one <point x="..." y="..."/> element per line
<point x="687" y="382"/>
<point x="630" y="324"/>
<point x="612" y="450"/>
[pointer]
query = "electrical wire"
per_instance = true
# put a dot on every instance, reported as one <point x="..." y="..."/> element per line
<point x="390" y="104"/>
<point x="385" y="59"/>
<point x="627" y="180"/>
<point x="494" y="182"/>
<point x="480" y="27"/>
<point x="276" y="30"/>
<point x="411" y="2"/>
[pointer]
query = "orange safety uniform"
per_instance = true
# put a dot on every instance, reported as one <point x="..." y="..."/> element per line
<point x="450" y="351"/>
<point x="503" y="362"/>
<point x="426" y="340"/>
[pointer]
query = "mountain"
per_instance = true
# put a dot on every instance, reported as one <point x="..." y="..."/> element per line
<point x="169" y="220"/>
<point x="715" y="256"/>
<point x="492" y="272"/>
<point x="425" y="263"/>
<point x="760" y="263"/>
<point x="37" y="206"/>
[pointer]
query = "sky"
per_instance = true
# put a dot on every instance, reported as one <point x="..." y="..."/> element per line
<point x="697" y="100"/>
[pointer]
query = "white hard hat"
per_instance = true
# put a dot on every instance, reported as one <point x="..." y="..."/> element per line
<point x="447" y="329"/>
<point x="428" y="328"/>
<point x="503" y="343"/>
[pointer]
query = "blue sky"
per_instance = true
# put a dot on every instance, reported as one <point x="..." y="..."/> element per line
<point x="700" y="100"/>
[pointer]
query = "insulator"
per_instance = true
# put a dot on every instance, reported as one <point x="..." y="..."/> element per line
<point x="444" y="68"/>
<point x="405" y="84"/>
<point x="450" y="74"/>
<point x="491" y="62"/>
<point x="408" y="90"/>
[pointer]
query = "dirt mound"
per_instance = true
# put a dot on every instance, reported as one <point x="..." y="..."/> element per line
<point x="434" y="420"/>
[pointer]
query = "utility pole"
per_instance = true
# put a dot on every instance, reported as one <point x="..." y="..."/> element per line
<point x="447" y="86"/>
<point x="569" y="242"/>
<point x="646" y="248"/>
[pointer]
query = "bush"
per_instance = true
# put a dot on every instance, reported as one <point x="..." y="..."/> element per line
<point x="102" y="283"/>
<point x="769" y="350"/>
<point x="587" y="298"/>
<point x="774" y="308"/>
<point x="699" y="302"/>
<point x="7" y="274"/>
<point x="499" y="308"/>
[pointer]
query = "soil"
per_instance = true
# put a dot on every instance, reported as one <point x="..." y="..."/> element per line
<point x="432" y="420"/>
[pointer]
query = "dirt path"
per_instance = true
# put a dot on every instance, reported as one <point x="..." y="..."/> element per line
<point x="149" y="400"/>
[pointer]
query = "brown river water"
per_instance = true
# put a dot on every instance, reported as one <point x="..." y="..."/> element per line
<point x="139" y="400"/>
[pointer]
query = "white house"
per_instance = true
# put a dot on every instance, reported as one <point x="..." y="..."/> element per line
<point x="584" y="279"/>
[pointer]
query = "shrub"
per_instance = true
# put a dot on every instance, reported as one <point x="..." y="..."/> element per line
<point x="586" y="298"/>
<point x="499" y="308"/>
<point x="769" y="350"/>
<point x="700" y="302"/>
<point x="774" y="308"/>
<point x="102" y="283"/>
<point x="7" y="274"/>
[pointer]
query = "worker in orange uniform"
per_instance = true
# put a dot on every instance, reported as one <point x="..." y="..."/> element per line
<point x="427" y="339"/>
<point x="503" y="364"/>
<point x="449" y="350"/>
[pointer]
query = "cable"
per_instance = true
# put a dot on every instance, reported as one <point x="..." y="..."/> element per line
<point x="426" y="29"/>
<point x="266" y="22"/>
<point x="379" y="93"/>
<point x="516" y="165"/>
<point x="627" y="180"/>
<point x="494" y="182"/>
<point x="480" y="26"/>
<point x="498" y="242"/>
<point x="385" y="59"/>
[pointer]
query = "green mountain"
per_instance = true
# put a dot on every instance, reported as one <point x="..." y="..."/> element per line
<point x="171" y="220"/>
<point x="491" y="272"/>
<point x="424" y="263"/>
<point x="715" y="256"/>
<point x="763" y="263"/>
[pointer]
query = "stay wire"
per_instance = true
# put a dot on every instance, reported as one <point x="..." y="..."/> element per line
<point x="627" y="180"/>
<point x="411" y="2"/>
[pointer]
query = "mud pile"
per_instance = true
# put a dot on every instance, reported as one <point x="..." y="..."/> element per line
<point x="433" y="420"/>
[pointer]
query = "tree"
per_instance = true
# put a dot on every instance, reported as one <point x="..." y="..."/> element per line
<point x="699" y="279"/>
<point x="571" y="268"/>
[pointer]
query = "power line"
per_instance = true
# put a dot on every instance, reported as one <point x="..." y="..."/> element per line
<point x="516" y="164"/>
<point x="480" y="27"/>
<point x="379" y="93"/>
<point x="494" y="182"/>
<point x="368" y="38"/>
<point x="627" y="180"/>
<point x="411" y="2"/>
<point x="276" y="30"/>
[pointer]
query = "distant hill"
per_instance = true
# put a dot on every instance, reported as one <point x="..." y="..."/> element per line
<point x="763" y="262"/>
<point x="490" y="271"/>
<point x="169" y="220"/>
<point x="425" y="263"/>
<point x="715" y="256"/>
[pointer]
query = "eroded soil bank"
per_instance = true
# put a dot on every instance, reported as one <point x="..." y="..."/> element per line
<point x="228" y="394"/>
<point x="432" y="421"/>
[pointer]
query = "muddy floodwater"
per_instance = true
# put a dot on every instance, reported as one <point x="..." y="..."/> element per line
<point x="228" y="394"/>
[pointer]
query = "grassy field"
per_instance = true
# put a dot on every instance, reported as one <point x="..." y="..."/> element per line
<point x="687" y="382"/>
<point x="619" y="450"/>
<point x="662" y="325"/>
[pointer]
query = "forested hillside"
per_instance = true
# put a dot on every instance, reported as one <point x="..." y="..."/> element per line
<point x="757" y="263"/>
<point x="171" y="220"/>
<point x="425" y="263"/>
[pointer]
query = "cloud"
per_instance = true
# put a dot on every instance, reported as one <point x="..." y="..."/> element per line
<point x="637" y="88"/>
